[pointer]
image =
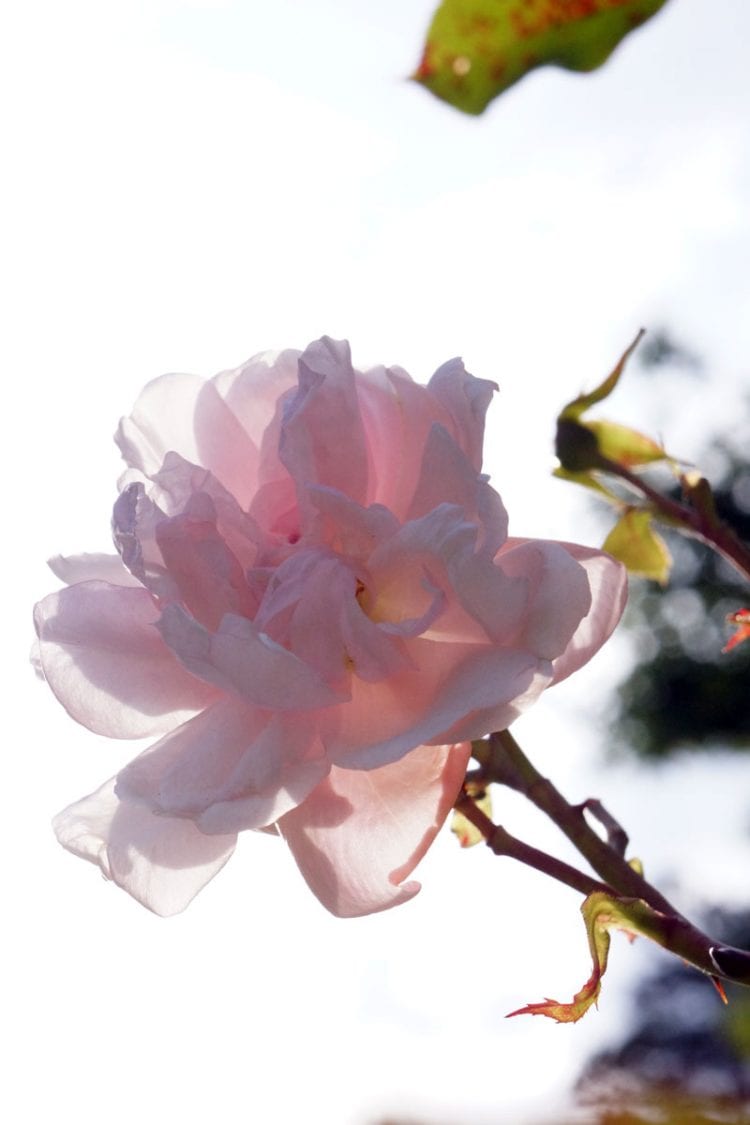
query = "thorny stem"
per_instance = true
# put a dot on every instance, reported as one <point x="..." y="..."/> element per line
<point x="502" y="760"/>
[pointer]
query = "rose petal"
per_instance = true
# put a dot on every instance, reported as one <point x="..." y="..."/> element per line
<point x="466" y="400"/>
<point x="559" y="596"/>
<point x="186" y="415"/>
<point x="245" y="661"/>
<point x="447" y="477"/>
<point x="253" y="392"/>
<point x="349" y="528"/>
<point x="608" y="590"/>
<point x="208" y="576"/>
<point x="161" y="861"/>
<point x="135" y="519"/>
<point x="228" y="769"/>
<point x="322" y="437"/>
<point x="106" y="663"/>
<point x="608" y="581"/>
<point x="361" y="833"/>
<point x="397" y="415"/>
<point x="453" y="692"/>
<point x="91" y="568"/>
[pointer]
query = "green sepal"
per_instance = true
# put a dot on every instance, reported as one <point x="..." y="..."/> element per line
<point x="625" y="446"/>
<point x="579" y="405"/>
<point x="588" y="480"/>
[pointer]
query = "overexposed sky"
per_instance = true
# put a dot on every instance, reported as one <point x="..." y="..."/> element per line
<point x="188" y="183"/>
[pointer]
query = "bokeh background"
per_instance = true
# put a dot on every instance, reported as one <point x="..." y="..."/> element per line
<point x="188" y="183"/>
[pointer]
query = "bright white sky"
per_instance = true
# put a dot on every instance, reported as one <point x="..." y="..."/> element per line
<point x="188" y="183"/>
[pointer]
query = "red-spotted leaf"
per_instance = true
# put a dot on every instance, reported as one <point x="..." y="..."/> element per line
<point x="635" y="543"/>
<point x="476" y="49"/>
<point x="601" y="914"/>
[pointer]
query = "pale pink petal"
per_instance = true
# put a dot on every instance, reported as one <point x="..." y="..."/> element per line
<point x="241" y="659"/>
<point x="91" y="568"/>
<point x="322" y="437"/>
<point x="162" y="419"/>
<point x="190" y="501"/>
<point x="397" y="415"/>
<point x="559" y="595"/>
<point x="439" y="551"/>
<point x="230" y="768"/>
<point x="466" y="399"/>
<point x="608" y="591"/>
<point x="208" y="576"/>
<point x="161" y="861"/>
<point x="105" y="661"/>
<point x="361" y="833"/>
<point x="608" y="580"/>
<point x="312" y="608"/>
<point x="176" y="485"/>
<point x="135" y="519"/>
<point x="349" y="528"/>
<point x="186" y="415"/>
<point x="459" y="691"/>
<point x="253" y="391"/>
<point x="447" y="477"/>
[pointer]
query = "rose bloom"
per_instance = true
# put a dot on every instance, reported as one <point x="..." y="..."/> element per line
<point x="315" y="606"/>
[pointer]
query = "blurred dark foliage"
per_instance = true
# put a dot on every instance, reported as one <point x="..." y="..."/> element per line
<point x="660" y="349"/>
<point x="684" y="691"/>
<point x="687" y="1058"/>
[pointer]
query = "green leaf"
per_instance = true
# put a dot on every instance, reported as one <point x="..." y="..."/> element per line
<point x="635" y="543"/>
<point x="476" y="49"/>
<point x="602" y="913"/>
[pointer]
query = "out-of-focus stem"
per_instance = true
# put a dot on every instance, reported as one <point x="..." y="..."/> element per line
<point x="701" y="523"/>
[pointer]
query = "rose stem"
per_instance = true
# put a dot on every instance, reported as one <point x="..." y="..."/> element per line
<point x="693" y="521"/>
<point x="503" y="761"/>
<point x="502" y="843"/>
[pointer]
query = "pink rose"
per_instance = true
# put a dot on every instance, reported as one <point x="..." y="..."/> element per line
<point x="316" y="607"/>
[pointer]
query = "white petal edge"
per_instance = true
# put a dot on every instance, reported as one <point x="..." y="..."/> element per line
<point x="163" y="862"/>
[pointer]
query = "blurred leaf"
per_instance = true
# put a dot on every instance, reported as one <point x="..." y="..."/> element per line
<point x="635" y="543"/>
<point x="476" y="49"/>
<point x="588" y="480"/>
<point x="601" y="913"/>
<point x="468" y="835"/>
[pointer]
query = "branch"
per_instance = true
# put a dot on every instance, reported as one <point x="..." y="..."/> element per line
<point x="502" y="843"/>
<point x="698" y="519"/>
<point x="502" y="760"/>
